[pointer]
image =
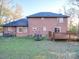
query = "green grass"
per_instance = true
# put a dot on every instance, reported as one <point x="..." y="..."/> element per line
<point x="28" y="48"/>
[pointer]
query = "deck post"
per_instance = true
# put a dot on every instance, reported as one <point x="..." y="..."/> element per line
<point x="69" y="36"/>
<point x="53" y="35"/>
<point x="50" y="35"/>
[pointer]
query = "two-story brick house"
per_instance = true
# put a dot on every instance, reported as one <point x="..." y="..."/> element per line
<point x="46" y="21"/>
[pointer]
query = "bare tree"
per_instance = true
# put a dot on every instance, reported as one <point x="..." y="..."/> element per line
<point x="73" y="9"/>
<point x="4" y="9"/>
<point x="9" y="11"/>
<point x="17" y="12"/>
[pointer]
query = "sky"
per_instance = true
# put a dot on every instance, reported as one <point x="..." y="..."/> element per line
<point x="35" y="6"/>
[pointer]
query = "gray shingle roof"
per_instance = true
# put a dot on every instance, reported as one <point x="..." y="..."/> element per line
<point x="20" y="22"/>
<point x="47" y="14"/>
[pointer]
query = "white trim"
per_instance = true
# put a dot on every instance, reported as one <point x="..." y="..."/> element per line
<point x="34" y="28"/>
<point x="44" y="28"/>
<point x="60" y="20"/>
<point x="24" y="29"/>
<point x="42" y="18"/>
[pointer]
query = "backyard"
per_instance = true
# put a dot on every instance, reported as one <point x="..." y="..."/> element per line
<point x="28" y="48"/>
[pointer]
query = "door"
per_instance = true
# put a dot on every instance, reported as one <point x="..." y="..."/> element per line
<point x="57" y="29"/>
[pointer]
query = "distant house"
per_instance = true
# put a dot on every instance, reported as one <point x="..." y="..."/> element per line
<point x="41" y="22"/>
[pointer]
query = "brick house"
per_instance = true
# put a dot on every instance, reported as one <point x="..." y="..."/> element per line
<point x="41" y="22"/>
<point x="46" y="21"/>
<point x="16" y="28"/>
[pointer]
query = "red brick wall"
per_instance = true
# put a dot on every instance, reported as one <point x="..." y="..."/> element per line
<point x="50" y="23"/>
<point x="14" y="30"/>
<point x="11" y="30"/>
<point x="24" y="33"/>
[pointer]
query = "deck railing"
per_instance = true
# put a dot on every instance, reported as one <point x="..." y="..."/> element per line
<point x="62" y="36"/>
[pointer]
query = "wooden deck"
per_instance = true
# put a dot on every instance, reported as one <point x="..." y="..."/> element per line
<point x="63" y="36"/>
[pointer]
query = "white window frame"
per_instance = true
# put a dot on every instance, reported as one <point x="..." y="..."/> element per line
<point x="42" y="18"/>
<point x="23" y="28"/>
<point x="44" y="28"/>
<point x="34" y="28"/>
<point x="60" y="20"/>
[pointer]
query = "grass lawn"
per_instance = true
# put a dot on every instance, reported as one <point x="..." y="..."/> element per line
<point x="28" y="48"/>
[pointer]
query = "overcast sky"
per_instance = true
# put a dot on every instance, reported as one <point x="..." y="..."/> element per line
<point x="34" y="6"/>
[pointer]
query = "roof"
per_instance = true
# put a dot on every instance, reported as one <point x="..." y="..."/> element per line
<point x="46" y="14"/>
<point x="17" y="23"/>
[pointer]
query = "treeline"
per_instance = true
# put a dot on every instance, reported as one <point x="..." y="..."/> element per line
<point x="9" y="11"/>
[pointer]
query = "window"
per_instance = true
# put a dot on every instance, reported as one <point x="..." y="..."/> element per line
<point x="11" y="29"/>
<point x="42" y="18"/>
<point x="34" y="28"/>
<point x="57" y="29"/>
<point x="60" y="20"/>
<point x="22" y="29"/>
<point x="44" y="28"/>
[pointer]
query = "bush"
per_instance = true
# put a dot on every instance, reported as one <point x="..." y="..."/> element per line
<point x="38" y="37"/>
